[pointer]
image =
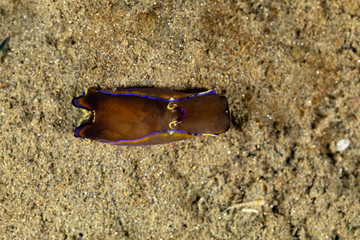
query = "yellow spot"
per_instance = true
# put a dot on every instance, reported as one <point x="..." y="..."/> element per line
<point x="209" y="134"/>
<point x="171" y="107"/>
<point x="173" y="123"/>
<point x="85" y="115"/>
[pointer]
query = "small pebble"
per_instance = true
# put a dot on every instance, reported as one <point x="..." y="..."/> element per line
<point x="342" y="144"/>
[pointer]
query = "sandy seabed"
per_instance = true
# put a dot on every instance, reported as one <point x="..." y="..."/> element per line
<point x="289" y="69"/>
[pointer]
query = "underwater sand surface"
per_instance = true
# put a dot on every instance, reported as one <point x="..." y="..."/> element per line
<point x="288" y="168"/>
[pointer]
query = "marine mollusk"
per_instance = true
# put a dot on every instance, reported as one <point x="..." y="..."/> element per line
<point x="146" y="116"/>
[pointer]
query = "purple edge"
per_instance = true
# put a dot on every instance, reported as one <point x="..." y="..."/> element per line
<point x="76" y="104"/>
<point x="184" y="113"/>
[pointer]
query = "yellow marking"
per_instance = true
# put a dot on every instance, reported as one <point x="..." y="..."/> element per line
<point x="171" y="108"/>
<point x="209" y="134"/>
<point x="173" y="123"/>
<point x="87" y="140"/>
<point x="86" y="114"/>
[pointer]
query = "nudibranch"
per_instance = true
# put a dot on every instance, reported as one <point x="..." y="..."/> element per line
<point x="146" y="116"/>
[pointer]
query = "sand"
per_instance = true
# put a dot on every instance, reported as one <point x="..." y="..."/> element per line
<point x="289" y="69"/>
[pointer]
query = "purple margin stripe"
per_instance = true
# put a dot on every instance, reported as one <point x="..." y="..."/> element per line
<point x="160" y="99"/>
<point x="133" y="140"/>
<point x="76" y="104"/>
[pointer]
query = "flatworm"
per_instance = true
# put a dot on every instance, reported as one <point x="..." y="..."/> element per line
<point x="146" y="116"/>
